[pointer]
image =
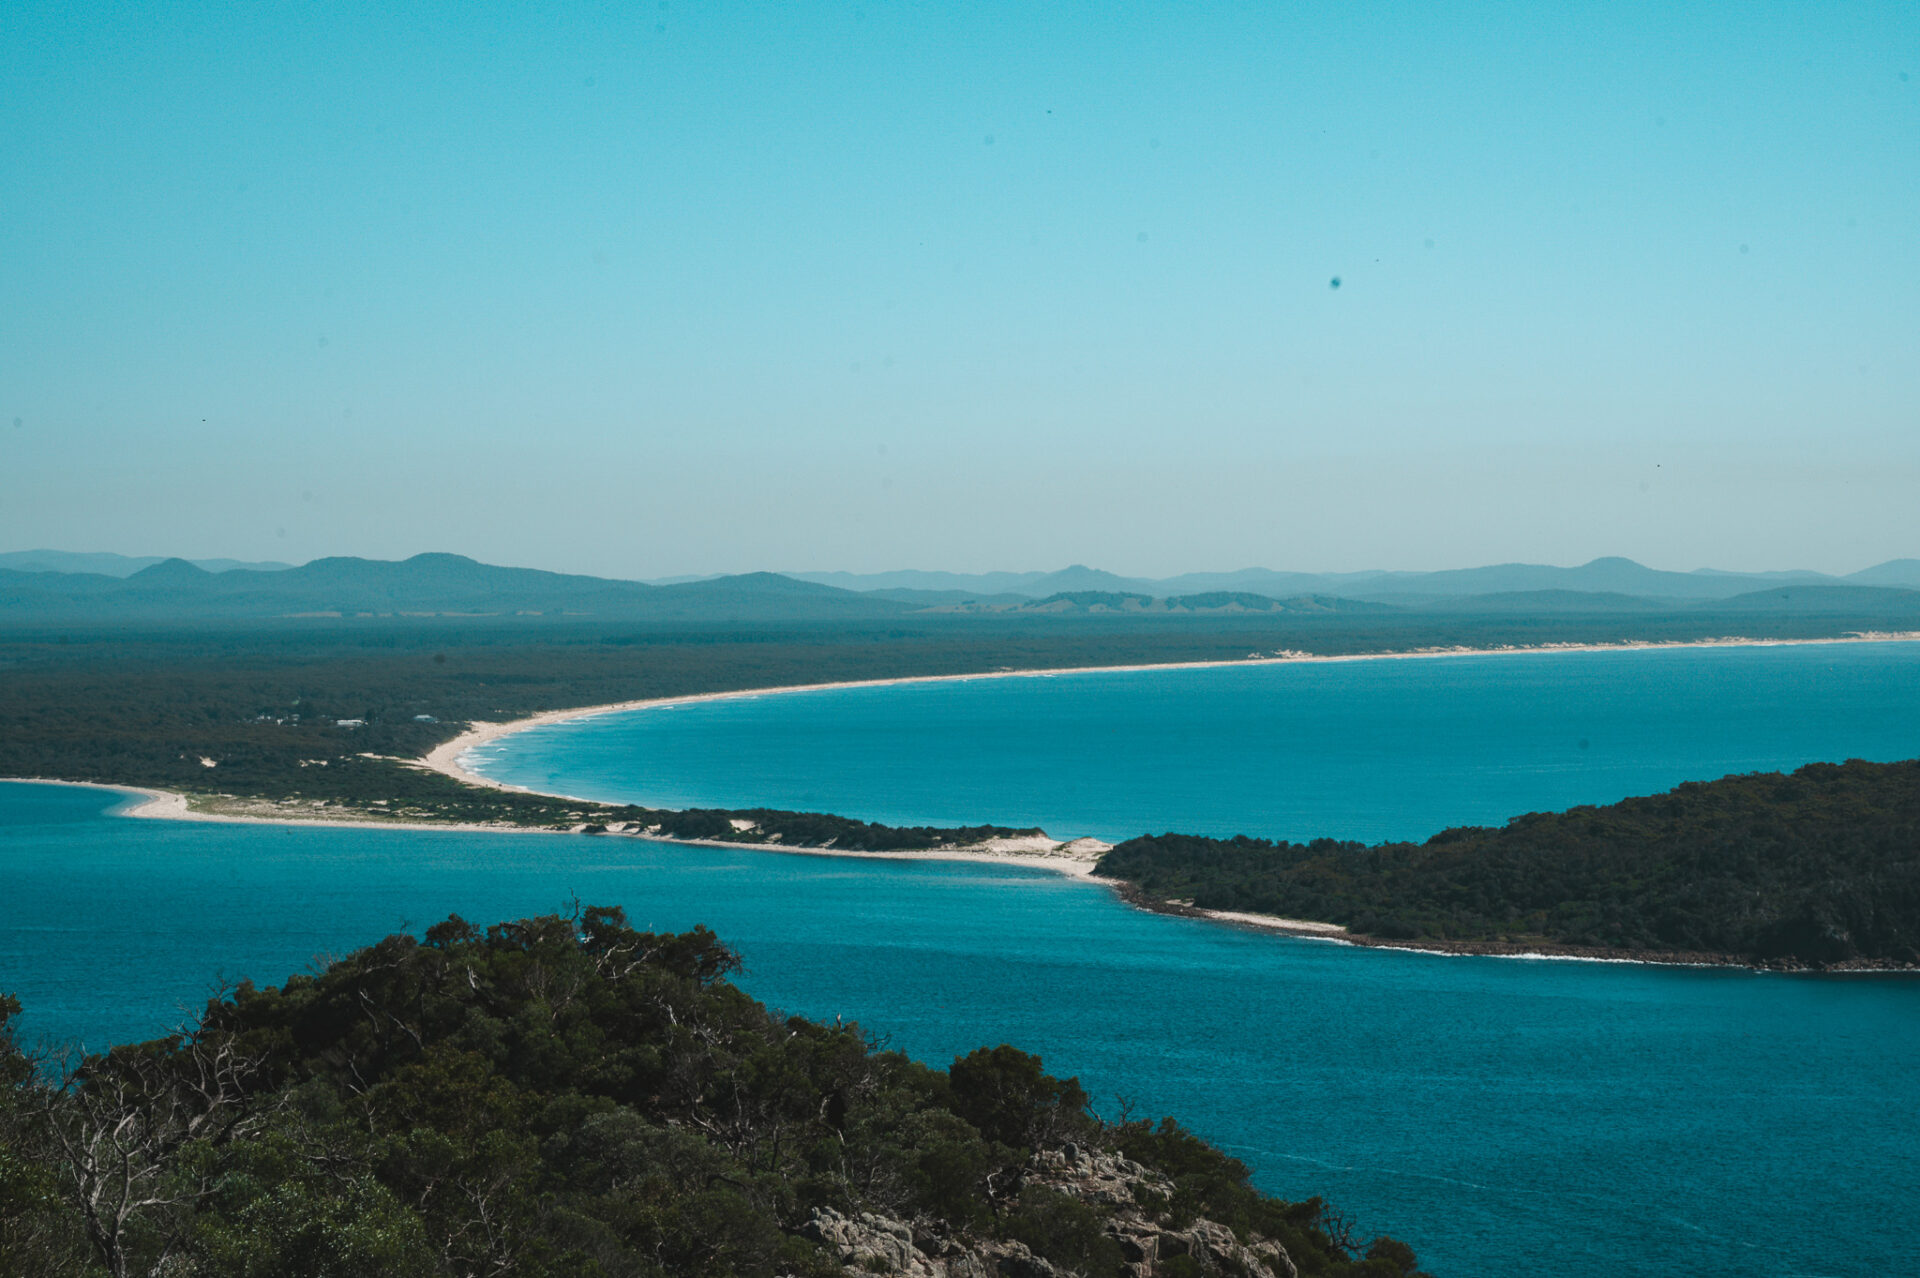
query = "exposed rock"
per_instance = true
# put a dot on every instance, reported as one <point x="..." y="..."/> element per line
<point x="876" y="1244"/>
<point x="871" y="1243"/>
<point x="1093" y="1175"/>
<point x="881" y="1245"/>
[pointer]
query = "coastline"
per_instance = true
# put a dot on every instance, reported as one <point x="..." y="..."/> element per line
<point x="1072" y="859"/>
<point x="447" y="758"/>
<point x="146" y="803"/>
<point x="1540" y="951"/>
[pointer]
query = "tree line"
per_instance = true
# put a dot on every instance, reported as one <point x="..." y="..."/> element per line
<point x="1817" y="867"/>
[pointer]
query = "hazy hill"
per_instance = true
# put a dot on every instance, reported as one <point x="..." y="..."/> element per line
<point x="1892" y="602"/>
<point x="1611" y="575"/>
<point x="966" y="583"/>
<point x="453" y="585"/>
<point x="1531" y="602"/>
<point x="954" y="600"/>
<point x="1077" y="603"/>
<point x="111" y="565"/>
<point x="1033" y="585"/>
<point x="432" y="584"/>
<point x="1862" y="605"/>
<point x="1894" y="572"/>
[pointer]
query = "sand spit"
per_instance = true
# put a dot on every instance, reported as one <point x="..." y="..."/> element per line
<point x="1074" y="858"/>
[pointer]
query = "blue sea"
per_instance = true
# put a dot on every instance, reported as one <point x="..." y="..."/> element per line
<point x="1374" y="750"/>
<point x="1504" y="1116"/>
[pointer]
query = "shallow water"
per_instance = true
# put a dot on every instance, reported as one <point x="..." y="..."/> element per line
<point x="1507" y="1117"/>
<point x="1382" y="749"/>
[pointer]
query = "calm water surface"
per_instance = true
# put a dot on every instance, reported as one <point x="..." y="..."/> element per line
<point x="1365" y="749"/>
<point x="1507" y="1117"/>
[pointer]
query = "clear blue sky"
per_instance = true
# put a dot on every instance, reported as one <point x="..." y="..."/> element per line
<point x="662" y="288"/>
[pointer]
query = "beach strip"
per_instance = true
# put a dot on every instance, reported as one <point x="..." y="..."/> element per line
<point x="448" y="758"/>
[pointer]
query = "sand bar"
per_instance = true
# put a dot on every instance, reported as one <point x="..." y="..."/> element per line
<point x="1074" y="859"/>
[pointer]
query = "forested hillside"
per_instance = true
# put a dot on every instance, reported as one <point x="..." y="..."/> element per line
<point x="1818" y="867"/>
<point x="566" y="1096"/>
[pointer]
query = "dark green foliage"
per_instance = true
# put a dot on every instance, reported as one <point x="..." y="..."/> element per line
<point x="1818" y="867"/>
<point x="1004" y="1094"/>
<point x="554" y="1096"/>
<point x="1064" y="1230"/>
<point x="39" y="1232"/>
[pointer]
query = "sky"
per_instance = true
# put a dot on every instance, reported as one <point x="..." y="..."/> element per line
<point x="670" y="288"/>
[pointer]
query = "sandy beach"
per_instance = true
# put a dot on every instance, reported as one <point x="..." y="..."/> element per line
<point x="449" y="758"/>
<point x="1074" y="858"/>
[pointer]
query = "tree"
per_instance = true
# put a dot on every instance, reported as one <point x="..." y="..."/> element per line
<point x="1009" y="1098"/>
<point x="131" y="1130"/>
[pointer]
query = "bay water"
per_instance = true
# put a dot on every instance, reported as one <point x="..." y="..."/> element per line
<point x="1370" y="749"/>
<point x="1504" y="1116"/>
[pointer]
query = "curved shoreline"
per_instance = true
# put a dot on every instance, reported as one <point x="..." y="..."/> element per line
<point x="146" y="803"/>
<point x="447" y="758"/>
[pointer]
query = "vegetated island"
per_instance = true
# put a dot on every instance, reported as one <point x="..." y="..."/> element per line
<point x="567" y="1096"/>
<point x="1819" y="868"/>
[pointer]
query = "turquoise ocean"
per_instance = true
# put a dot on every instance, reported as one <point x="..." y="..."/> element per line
<point x="1505" y="1116"/>
<point x="1373" y="749"/>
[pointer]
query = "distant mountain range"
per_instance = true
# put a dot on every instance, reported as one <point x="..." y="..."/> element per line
<point x="454" y="586"/>
<point x="109" y="565"/>
<point x="425" y="585"/>
<point x="1610" y="575"/>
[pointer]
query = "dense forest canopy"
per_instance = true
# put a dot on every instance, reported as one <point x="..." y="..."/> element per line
<point x="1821" y="866"/>
<point x="567" y="1096"/>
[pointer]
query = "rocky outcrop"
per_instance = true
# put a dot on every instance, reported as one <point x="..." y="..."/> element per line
<point x="1130" y="1193"/>
<point x="868" y="1243"/>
